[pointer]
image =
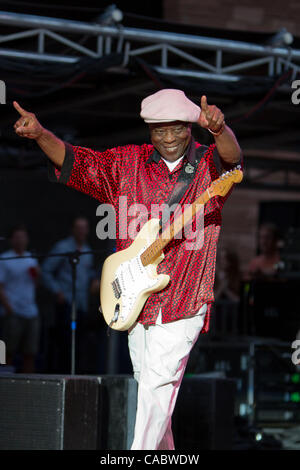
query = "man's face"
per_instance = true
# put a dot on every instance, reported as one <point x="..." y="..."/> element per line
<point x="267" y="241"/>
<point x="19" y="240"/>
<point x="80" y="230"/>
<point x="170" y="138"/>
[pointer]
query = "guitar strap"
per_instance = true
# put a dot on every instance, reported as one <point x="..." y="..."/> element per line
<point x="184" y="180"/>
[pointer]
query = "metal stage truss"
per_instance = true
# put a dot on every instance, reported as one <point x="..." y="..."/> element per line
<point x="204" y="57"/>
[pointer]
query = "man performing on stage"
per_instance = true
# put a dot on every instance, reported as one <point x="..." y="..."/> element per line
<point x="161" y="340"/>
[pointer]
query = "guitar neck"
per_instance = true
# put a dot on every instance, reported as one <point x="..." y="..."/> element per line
<point x="155" y="249"/>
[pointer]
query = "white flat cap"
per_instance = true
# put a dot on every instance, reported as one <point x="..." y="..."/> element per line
<point x="169" y="105"/>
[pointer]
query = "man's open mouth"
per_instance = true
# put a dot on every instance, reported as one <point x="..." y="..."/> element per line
<point x="171" y="149"/>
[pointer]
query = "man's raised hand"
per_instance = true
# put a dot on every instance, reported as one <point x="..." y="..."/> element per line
<point x="211" y="117"/>
<point x="27" y="125"/>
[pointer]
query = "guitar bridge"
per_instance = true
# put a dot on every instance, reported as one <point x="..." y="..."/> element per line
<point x="116" y="288"/>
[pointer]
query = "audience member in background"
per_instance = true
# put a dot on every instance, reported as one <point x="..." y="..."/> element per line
<point x="228" y="276"/>
<point x="18" y="278"/>
<point x="227" y="292"/>
<point x="265" y="265"/>
<point x="57" y="277"/>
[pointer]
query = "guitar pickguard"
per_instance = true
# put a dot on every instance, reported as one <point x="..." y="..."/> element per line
<point x="133" y="278"/>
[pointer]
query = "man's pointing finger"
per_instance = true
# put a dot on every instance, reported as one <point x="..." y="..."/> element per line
<point x="19" y="108"/>
<point x="204" y="103"/>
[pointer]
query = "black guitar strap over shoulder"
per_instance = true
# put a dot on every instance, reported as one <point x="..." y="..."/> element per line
<point x="185" y="179"/>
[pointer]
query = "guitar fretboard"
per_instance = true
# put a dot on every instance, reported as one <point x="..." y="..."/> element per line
<point x="155" y="249"/>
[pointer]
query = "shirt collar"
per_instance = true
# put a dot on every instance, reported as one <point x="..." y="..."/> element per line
<point x="190" y="153"/>
<point x="73" y="243"/>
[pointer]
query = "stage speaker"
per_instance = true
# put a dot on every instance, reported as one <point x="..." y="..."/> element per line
<point x="117" y="411"/>
<point x="98" y="412"/>
<point x="48" y="412"/>
<point x="203" y="417"/>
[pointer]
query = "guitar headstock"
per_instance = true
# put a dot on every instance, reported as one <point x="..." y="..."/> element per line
<point x="222" y="185"/>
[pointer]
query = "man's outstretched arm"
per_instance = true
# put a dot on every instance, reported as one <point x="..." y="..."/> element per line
<point x="28" y="126"/>
<point x="89" y="171"/>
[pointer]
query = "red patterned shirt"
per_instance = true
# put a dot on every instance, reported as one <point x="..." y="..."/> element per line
<point x="137" y="174"/>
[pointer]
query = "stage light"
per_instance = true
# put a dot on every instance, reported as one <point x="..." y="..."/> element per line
<point x="282" y="38"/>
<point x="111" y="15"/>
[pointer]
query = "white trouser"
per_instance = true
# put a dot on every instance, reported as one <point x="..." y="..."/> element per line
<point x="159" y="354"/>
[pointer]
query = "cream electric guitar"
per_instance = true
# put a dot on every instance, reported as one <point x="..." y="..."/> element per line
<point x="129" y="276"/>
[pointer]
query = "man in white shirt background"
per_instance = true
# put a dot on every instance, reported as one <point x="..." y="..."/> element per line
<point x="18" y="279"/>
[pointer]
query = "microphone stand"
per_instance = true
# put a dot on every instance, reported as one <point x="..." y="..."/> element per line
<point x="74" y="260"/>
